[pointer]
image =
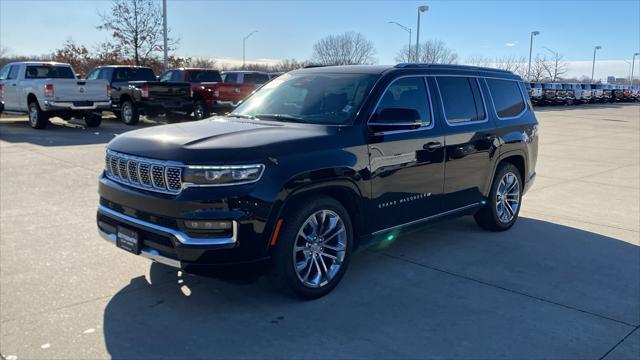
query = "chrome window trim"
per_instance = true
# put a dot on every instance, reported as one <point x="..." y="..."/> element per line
<point x="421" y="128"/>
<point x="524" y="101"/>
<point x="484" y="104"/>
<point x="179" y="235"/>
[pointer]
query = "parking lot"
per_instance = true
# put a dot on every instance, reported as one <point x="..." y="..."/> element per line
<point x="563" y="283"/>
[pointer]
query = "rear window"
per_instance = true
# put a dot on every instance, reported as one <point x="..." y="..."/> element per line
<point x="134" y="74"/>
<point x="49" y="72"/>
<point x="461" y="99"/>
<point x="507" y="97"/>
<point x="255" y="78"/>
<point x="204" y="76"/>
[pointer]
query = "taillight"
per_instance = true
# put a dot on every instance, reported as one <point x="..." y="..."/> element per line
<point x="109" y="90"/>
<point x="144" y="90"/>
<point x="48" y="90"/>
<point x="1" y="91"/>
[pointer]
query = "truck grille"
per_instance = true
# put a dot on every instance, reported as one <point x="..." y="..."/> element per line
<point x="147" y="174"/>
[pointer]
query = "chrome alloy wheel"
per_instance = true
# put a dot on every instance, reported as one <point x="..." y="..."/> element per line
<point x="508" y="197"/>
<point x="127" y="112"/>
<point x="33" y="115"/>
<point x="198" y="112"/>
<point x="320" y="248"/>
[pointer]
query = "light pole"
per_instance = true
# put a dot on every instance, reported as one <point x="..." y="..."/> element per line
<point x="421" y="9"/>
<point x="244" y="43"/>
<point x="407" y="29"/>
<point x="533" y="33"/>
<point x="630" y="68"/>
<point x="164" y="30"/>
<point x="593" y="65"/>
<point x="633" y="63"/>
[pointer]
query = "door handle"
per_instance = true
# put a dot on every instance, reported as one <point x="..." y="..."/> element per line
<point x="432" y="145"/>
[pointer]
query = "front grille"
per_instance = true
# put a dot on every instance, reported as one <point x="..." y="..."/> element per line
<point x="142" y="173"/>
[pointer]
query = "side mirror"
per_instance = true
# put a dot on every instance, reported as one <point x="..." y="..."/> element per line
<point x="391" y="119"/>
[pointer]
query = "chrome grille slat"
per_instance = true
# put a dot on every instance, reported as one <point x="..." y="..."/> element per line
<point x="147" y="174"/>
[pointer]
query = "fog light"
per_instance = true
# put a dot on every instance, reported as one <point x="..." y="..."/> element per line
<point x="207" y="224"/>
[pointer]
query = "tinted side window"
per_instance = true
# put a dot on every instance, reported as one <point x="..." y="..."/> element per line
<point x="507" y="97"/>
<point x="4" y="73"/>
<point x="93" y="75"/>
<point x="177" y="76"/>
<point x="255" y="78"/>
<point x="407" y="93"/>
<point x="230" y="77"/>
<point x="461" y="99"/>
<point x="166" y="76"/>
<point x="13" y="73"/>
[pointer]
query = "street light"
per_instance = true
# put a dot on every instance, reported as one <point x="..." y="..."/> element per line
<point x="421" y="9"/>
<point x="630" y="68"/>
<point x="633" y="63"/>
<point x="407" y="29"/>
<point x="244" y="45"/>
<point x="165" y="62"/>
<point x="533" y="33"/>
<point x="593" y="66"/>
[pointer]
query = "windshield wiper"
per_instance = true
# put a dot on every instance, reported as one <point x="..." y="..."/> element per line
<point x="281" y="117"/>
<point x="242" y="116"/>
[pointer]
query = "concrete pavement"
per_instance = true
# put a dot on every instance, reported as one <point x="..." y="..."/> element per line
<point x="563" y="283"/>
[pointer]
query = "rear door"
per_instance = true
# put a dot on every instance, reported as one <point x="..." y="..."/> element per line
<point x="407" y="166"/>
<point x="470" y="141"/>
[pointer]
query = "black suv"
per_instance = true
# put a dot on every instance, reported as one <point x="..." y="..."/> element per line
<point x="317" y="162"/>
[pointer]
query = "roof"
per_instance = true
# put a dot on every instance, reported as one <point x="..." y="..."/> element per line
<point x="243" y="72"/>
<point x="195" y="69"/>
<point x="380" y="69"/>
<point x="39" y="63"/>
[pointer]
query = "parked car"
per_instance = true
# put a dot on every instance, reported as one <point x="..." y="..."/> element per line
<point x="581" y="92"/>
<point x="136" y="91"/>
<point x="273" y="75"/>
<point x="320" y="161"/>
<point x="627" y="94"/>
<point x="570" y="93"/>
<point x="210" y="94"/>
<point x="635" y="93"/>
<point x="553" y="93"/>
<point x="535" y="92"/>
<point x="597" y="93"/>
<point x="46" y="89"/>
<point x="617" y="93"/>
<point x="607" y="93"/>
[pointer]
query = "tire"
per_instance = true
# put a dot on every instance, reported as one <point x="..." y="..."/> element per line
<point x="93" y="119"/>
<point x="200" y="110"/>
<point x="495" y="215"/>
<point x="129" y="113"/>
<point x="320" y="266"/>
<point x="38" y="119"/>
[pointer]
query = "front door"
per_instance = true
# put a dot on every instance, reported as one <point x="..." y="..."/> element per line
<point x="407" y="166"/>
<point x="11" y="98"/>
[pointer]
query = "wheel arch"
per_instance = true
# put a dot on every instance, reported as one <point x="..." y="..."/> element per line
<point x="517" y="158"/>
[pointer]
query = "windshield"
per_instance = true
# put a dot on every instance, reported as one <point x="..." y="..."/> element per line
<point x="309" y="98"/>
<point x="49" y="72"/>
<point x="204" y="76"/>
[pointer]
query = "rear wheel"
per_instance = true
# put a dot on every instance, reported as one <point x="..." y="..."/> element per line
<point x="314" y="248"/>
<point x="503" y="205"/>
<point x="38" y="119"/>
<point x="129" y="113"/>
<point x="93" y="119"/>
<point x="200" y="110"/>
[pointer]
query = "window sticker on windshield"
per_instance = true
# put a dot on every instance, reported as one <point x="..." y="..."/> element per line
<point x="347" y="108"/>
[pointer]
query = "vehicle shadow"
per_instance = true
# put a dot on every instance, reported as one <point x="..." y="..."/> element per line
<point x="16" y="130"/>
<point x="540" y="290"/>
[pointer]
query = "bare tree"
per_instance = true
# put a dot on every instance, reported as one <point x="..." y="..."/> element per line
<point x="556" y="67"/>
<point x="478" y="60"/>
<point x="201" y="62"/>
<point x="538" y="69"/>
<point x="136" y="26"/>
<point x="350" y="48"/>
<point x="516" y="65"/>
<point x="77" y="56"/>
<point x="431" y="52"/>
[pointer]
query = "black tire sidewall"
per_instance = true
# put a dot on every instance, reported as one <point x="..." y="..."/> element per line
<point x="135" y="117"/>
<point x="42" y="120"/>
<point x="205" y="112"/>
<point x="283" y="270"/>
<point x="92" y="120"/>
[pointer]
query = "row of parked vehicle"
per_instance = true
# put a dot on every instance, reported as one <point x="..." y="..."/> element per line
<point x="569" y="94"/>
<point x="47" y="89"/>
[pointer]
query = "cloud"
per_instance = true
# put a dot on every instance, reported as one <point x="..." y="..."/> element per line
<point x="511" y="44"/>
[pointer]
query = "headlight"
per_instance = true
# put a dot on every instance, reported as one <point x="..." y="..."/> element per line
<point x="222" y="175"/>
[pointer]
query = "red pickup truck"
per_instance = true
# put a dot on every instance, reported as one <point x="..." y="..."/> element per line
<point x="210" y="93"/>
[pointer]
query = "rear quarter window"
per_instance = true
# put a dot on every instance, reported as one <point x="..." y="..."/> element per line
<point x="461" y="99"/>
<point x="507" y="97"/>
<point x="49" y="72"/>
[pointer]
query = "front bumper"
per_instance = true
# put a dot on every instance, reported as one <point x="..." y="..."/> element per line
<point x="77" y="105"/>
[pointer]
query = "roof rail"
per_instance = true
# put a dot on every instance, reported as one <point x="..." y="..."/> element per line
<point x="313" y="66"/>
<point x="448" y="66"/>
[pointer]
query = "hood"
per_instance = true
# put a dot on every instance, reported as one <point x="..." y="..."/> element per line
<point x="221" y="140"/>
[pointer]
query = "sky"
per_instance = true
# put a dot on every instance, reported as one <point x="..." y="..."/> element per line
<point x="288" y="29"/>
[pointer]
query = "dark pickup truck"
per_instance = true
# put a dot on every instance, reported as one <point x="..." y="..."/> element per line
<point x="136" y="91"/>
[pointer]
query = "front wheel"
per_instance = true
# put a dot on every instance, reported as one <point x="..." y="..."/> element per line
<point x="314" y="248"/>
<point x="93" y="119"/>
<point x="129" y="113"/>
<point x="38" y="119"/>
<point x="503" y="205"/>
<point x="200" y="110"/>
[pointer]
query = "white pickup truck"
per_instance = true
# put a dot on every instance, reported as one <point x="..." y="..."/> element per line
<point x="46" y="89"/>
